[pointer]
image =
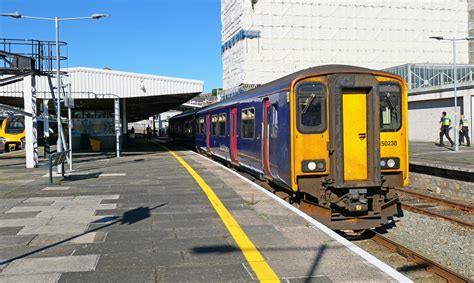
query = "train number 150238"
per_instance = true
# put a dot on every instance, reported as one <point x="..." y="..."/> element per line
<point x="389" y="143"/>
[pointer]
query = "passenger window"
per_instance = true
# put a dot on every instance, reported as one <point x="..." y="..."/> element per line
<point x="200" y="125"/>
<point x="222" y="125"/>
<point x="188" y="131"/>
<point x="248" y="123"/>
<point x="214" y="125"/>
<point x="274" y="129"/>
<point x="311" y="108"/>
<point x="390" y="107"/>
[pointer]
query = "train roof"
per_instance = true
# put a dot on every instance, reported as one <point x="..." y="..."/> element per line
<point x="185" y="114"/>
<point x="285" y="82"/>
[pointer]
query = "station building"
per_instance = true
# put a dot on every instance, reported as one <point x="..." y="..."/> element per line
<point x="93" y="92"/>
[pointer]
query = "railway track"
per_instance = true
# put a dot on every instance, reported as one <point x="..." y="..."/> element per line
<point x="436" y="207"/>
<point x="419" y="260"/>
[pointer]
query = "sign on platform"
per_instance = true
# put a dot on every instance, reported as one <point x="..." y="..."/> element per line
<point x="69" y="102"/>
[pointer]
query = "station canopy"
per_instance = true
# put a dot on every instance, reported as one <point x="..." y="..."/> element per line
<point x="144" y="95"/>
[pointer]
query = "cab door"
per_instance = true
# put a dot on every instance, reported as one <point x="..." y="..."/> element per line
<point x="354" y="133"/>
<point x="354" y="145"/>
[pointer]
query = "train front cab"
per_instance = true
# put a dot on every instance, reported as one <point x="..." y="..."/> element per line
<point x="350" y="147"/>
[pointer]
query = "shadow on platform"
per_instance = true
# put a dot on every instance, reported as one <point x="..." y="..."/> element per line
<point x="128" y="218"/>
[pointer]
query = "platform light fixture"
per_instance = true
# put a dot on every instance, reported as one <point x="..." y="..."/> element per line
<point x="56" y="20"/>
<point x="455" y="75"/>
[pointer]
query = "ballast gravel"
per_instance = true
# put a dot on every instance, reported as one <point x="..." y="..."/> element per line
<point x="448" y="244"/>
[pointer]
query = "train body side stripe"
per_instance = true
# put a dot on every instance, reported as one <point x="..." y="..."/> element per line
<point x="255" y="259"/>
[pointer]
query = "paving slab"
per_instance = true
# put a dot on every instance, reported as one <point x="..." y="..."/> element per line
<point x="123" y="275"/>
<point x="52" y="265"/>
<point x="431" y="155"/>
<point x="36" y="278"/>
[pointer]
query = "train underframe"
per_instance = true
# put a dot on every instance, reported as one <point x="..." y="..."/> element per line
<point x="349" y="208"/>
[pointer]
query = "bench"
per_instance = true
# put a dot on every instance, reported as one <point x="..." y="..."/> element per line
<point x="57" y="159"/>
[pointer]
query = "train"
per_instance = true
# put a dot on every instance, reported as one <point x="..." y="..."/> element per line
<point x="333" y="138"/>
<point x="12" y="132"/>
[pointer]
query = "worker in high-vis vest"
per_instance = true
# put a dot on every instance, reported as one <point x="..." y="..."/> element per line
<point x="444" y="129"/>
<point x="464" y="133"/>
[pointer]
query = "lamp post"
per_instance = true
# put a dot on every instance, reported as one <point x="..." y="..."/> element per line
<point x="116" y="119"/>
<point x="56" y="20"/>
<point x="455" y="77"/>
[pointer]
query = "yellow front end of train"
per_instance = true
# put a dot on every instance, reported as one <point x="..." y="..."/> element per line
<point x="349" y="146"/>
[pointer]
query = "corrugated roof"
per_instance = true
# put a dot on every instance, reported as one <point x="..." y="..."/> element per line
<point x="87" y="81"/>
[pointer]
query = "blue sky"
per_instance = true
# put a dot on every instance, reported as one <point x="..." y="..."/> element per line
<point x="179" y="38"/>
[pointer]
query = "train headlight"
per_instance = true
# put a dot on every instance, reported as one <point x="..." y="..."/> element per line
<point x="390" y="163"/>
<point x="308" y="166"/>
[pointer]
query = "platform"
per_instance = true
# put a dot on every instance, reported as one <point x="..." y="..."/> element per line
<point x="144" y="218"/>
<point x="431" y="155"/>
<point x="441" y="171"/>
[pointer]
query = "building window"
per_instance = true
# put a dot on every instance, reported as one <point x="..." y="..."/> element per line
<point x="222" y="125"/>
<point x="274" y="128"/>
<point x="100" y="114"/>
<point x="89" y="114"/>
<point x="311" y="108"/>
<point x="215" y="124"/>
<point x="248" y="123"/>
<point x="390" y="107"/>
<point x="77" y="114"/>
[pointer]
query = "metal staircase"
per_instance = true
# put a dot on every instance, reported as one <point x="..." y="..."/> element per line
<point x="20" y="59"/>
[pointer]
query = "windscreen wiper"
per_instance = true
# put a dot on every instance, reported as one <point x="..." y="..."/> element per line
<point x="391" y="104"/>
<point x="311" y="98"/>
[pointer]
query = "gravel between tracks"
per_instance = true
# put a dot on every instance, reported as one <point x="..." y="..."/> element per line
<point x="437" y="239"/>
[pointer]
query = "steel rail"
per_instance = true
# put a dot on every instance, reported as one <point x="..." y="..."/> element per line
<point x="409" y="254"/>
<point x="459" y="206"/>
<point x="419" y="210"/>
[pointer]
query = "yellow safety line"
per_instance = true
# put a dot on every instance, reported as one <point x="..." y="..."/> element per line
<point x="258" y="263"/>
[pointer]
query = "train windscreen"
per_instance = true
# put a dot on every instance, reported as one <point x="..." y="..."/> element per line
<point x="390" y="107"/>
<point x="15" y="125"/>
<point x="311" y="108"/>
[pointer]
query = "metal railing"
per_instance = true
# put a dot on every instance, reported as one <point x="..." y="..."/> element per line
<point x="43" y="52"/>
<point x="57" y="159"/>
<point x="431" y="75"/>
